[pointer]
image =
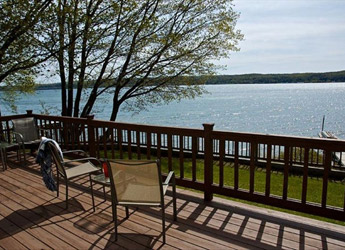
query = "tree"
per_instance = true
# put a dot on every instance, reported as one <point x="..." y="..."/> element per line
<point x="139" y="50"/>
<point x="21" y="22"/>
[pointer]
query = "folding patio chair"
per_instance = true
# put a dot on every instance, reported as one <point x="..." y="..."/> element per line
<point x="139" y="183"/>
<point x="26" y="134"/>
<point x="69" y="170"/>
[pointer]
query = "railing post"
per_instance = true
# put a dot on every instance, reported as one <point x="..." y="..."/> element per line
<point x="29" y="112"/>
<point x="91" y="136"/>
<point x="208" y="161"/>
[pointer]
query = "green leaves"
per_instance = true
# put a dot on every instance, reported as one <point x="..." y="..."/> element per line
<point x="21" y="22"/>
<point x="136" y="49"/>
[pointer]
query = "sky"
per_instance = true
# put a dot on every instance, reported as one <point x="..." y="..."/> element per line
<point x="288" y="36"/>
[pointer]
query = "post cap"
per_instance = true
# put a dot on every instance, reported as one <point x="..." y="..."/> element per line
<point x="208" y="126"/>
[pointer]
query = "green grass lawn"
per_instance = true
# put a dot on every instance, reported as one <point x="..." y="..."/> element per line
<point x="335" y="195"/>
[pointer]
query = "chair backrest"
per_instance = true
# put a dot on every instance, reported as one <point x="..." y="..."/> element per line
<point x="57" y="158"/>
<point x="27" y="128"/>
<point x="137" y="181"/>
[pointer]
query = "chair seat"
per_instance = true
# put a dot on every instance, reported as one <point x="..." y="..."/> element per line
<point x="38" y="141"/>
<point x="140" y="193"/>
<point x="81" y="169"/>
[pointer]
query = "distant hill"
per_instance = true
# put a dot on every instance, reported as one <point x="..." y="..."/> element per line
<point x="278" y="78"/>
<point x="338" y="76"/>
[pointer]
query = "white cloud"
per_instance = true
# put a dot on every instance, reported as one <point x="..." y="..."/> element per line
<point x="289" y="36"/>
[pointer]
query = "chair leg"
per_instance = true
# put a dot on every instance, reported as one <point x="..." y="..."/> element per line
<point x="5" y="157"/>
<point x="24" y="157"/>
<point x="105" y="195"/>
<point x="66" y="194"/>
<point x="3" y="160"/>
<point x="115" y="220"/>
<point x="174" y="199"/>
<point x="163" y="222"/>
<point x="58" y="184"/>
<point x="92" y="196"/>
<point x="127" y="212"/>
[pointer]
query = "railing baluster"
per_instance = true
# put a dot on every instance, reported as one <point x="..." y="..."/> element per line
<point x="112" y="142"/>
<point x="148" y="145"/>
<point x="159" y="145"/>
<point x="129" y="144"/>
<point x="98" y="143"/>
<point x="253" y="147"/>
<point x="119" y="142"/>
<point x="305" y="175"/>
<point x="8" y="131"/>
<point x="57" y="139"/>
<point x="91" y="136"/>
<point x="268" y="170"/>
<point x="236" y="165"/>
<point x="39" y="124"/>
<point x="194" y="154"/>
<point x="65" y="134"/>
<point x="72" y="134"/>
<point x="104" y="132"/>
<point x="138" y="145"/>
<point x="181" y="157"/>
<point x="327" y="168"/>
<point x="286" y="171"/>
<point x="169" y="152"/>
<point x="208" y="161"/>
<point x="221" y="162"/>
<point x="79" y="133"/>
<point x="50" y="130"/>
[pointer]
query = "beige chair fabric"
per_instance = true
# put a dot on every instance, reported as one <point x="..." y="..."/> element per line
<point x="139" y="183"/>
<point x="26" y="134"/>
<point x="72" y="168"/>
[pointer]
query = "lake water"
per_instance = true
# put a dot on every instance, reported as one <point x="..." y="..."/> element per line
<point x="290" y="109"/>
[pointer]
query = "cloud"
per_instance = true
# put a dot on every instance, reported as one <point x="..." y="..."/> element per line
<point x="289" y="36"/>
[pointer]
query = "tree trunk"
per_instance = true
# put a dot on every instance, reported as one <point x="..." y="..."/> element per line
<point x="61" y="21"/>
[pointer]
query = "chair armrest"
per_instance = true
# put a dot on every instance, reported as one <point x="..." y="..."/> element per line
<point x="84" y="159"/>
<point x="170" y="175"/>
<point x="20" y="137"/>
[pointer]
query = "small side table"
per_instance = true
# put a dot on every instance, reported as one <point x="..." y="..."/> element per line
<point x="102" y="180"/>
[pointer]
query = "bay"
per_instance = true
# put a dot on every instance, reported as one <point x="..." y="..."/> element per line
<point x="287" y="109"/>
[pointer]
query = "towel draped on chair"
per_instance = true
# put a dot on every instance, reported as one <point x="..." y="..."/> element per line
<point x="44" y="158"/>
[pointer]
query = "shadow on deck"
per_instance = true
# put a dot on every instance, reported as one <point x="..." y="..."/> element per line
<point x="33" y="217"/>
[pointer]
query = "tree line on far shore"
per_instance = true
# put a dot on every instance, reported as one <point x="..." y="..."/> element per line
<point x="338" y="76"/>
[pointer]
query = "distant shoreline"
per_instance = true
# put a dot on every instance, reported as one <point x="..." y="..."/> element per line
<point x="327" y="77"/>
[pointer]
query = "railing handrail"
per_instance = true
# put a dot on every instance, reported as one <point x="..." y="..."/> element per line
<point x="288" y="140"/>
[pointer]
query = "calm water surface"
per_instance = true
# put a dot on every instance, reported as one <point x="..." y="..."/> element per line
<point x="291" y="109"/>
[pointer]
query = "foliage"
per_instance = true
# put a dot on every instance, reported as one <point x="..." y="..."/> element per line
<point x="21" y="22"/>
<point x="11" y="90"/>
<point x="136" y="49"/>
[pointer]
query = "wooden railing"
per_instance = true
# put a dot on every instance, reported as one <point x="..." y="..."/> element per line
<point x="253" y="167"/>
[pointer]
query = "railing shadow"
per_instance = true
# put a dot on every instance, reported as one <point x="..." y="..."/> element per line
<point x="18" y="220"/>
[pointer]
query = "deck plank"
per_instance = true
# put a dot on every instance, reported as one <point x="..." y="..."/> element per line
<point x="30" y="213"/>
<point x="37" y="195"/>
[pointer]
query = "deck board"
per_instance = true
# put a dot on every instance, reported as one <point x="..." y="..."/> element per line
<point x="33" y="217"/>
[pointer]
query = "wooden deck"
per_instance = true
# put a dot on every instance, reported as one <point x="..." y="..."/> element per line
<point x="32" y="217"/>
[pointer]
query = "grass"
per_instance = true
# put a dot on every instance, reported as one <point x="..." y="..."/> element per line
<point x="335" y="196"/>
